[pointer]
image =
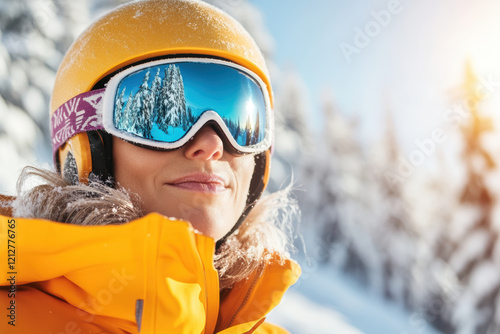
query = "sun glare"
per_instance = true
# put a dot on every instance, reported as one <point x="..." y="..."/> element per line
<point x="250" y="112"/>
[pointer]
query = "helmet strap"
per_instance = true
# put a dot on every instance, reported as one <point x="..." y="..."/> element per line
<point x="255" y="191"/>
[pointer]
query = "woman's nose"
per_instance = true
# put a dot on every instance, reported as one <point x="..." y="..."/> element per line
<point x="206" y="145"/>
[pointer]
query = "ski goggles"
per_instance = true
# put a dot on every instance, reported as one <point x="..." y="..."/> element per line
<point x="162" y="104"/>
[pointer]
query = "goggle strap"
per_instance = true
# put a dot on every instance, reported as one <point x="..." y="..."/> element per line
<point x="80" y="114"/>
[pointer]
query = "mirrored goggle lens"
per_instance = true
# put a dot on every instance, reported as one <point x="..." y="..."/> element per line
<point x="162" y="103"/>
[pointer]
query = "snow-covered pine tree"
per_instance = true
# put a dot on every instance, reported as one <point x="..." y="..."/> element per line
<point x="190" y="116"/>
<point x="163" y="102"/>
<point x="181" y="99"/>
<point x="147" y="114"/>
<point x="127" y="120"/>
<point x="134" y="112"/>
<point x="393" y="229"/>
<point x="142" y="108"/>
<point x="473" y="235"/>
<point x="173" y="102"/>
<point x="119" y="102"/>
<point x="34" y="34"/>
<point x="256" y="131"/>
<point x="236" y="129"/>
<point x="248" y="132"/>
<point x="334" y="206"/>
<point x="172" y="115"/>
<point x="148" y="103"/>
<point x="155" y="92"/>
<point x="293" y="136"/>
<point x="435" y="287"/>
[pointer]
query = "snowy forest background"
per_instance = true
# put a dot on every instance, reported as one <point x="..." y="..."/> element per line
<point x="417" y="238"/>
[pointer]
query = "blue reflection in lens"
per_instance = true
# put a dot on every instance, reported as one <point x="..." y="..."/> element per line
<point x="163" y="102"/>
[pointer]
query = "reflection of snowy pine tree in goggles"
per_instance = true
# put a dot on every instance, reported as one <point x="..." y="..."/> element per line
<point x="162" y="104"/>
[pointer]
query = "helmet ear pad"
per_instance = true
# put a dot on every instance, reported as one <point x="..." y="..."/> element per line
<point x="87" y="156"/>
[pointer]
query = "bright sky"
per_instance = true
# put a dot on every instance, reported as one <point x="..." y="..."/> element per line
<point x="412" y="64"/>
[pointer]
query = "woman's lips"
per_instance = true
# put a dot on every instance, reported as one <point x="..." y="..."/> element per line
<point x="207" y="183"/>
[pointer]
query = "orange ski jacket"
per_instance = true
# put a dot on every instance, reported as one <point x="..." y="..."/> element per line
<point x="152" y="275"/>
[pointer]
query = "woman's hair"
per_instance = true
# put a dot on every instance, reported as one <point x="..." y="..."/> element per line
<point x="265" y="232"/>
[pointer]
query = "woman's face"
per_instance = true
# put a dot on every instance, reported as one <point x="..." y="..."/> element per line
<point x="200" y="182"/>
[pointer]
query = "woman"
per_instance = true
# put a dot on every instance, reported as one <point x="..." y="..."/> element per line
<point x="160" y="109"/>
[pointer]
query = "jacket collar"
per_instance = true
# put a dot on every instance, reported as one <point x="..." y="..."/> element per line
<point x="153" y="273"/>
<point x="150" y="273"/>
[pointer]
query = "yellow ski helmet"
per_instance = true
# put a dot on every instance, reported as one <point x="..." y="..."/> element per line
<point x="133" y="33"/>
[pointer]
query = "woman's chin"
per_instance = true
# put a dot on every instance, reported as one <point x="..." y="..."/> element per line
<point x="212" y="221"/>
<point x="208" y="228"/>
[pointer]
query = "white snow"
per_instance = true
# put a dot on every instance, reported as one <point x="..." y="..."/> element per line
<point x="301" y="315"/>
<point x="34" y="103"/>
<point x="484" y="279"/>
<point x="470" y="249"/>
<point x="465" y="216"/>
<point x="326" y="302"/>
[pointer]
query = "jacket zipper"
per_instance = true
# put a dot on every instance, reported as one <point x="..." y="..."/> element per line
<point x="208" y="284"/>
<point x="247" y="296"/>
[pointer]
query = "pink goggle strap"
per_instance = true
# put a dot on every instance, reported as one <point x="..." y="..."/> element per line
<point x="80" y="114"/>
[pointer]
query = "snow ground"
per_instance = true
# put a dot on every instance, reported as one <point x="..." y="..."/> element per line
<point x="326" y="302"/>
